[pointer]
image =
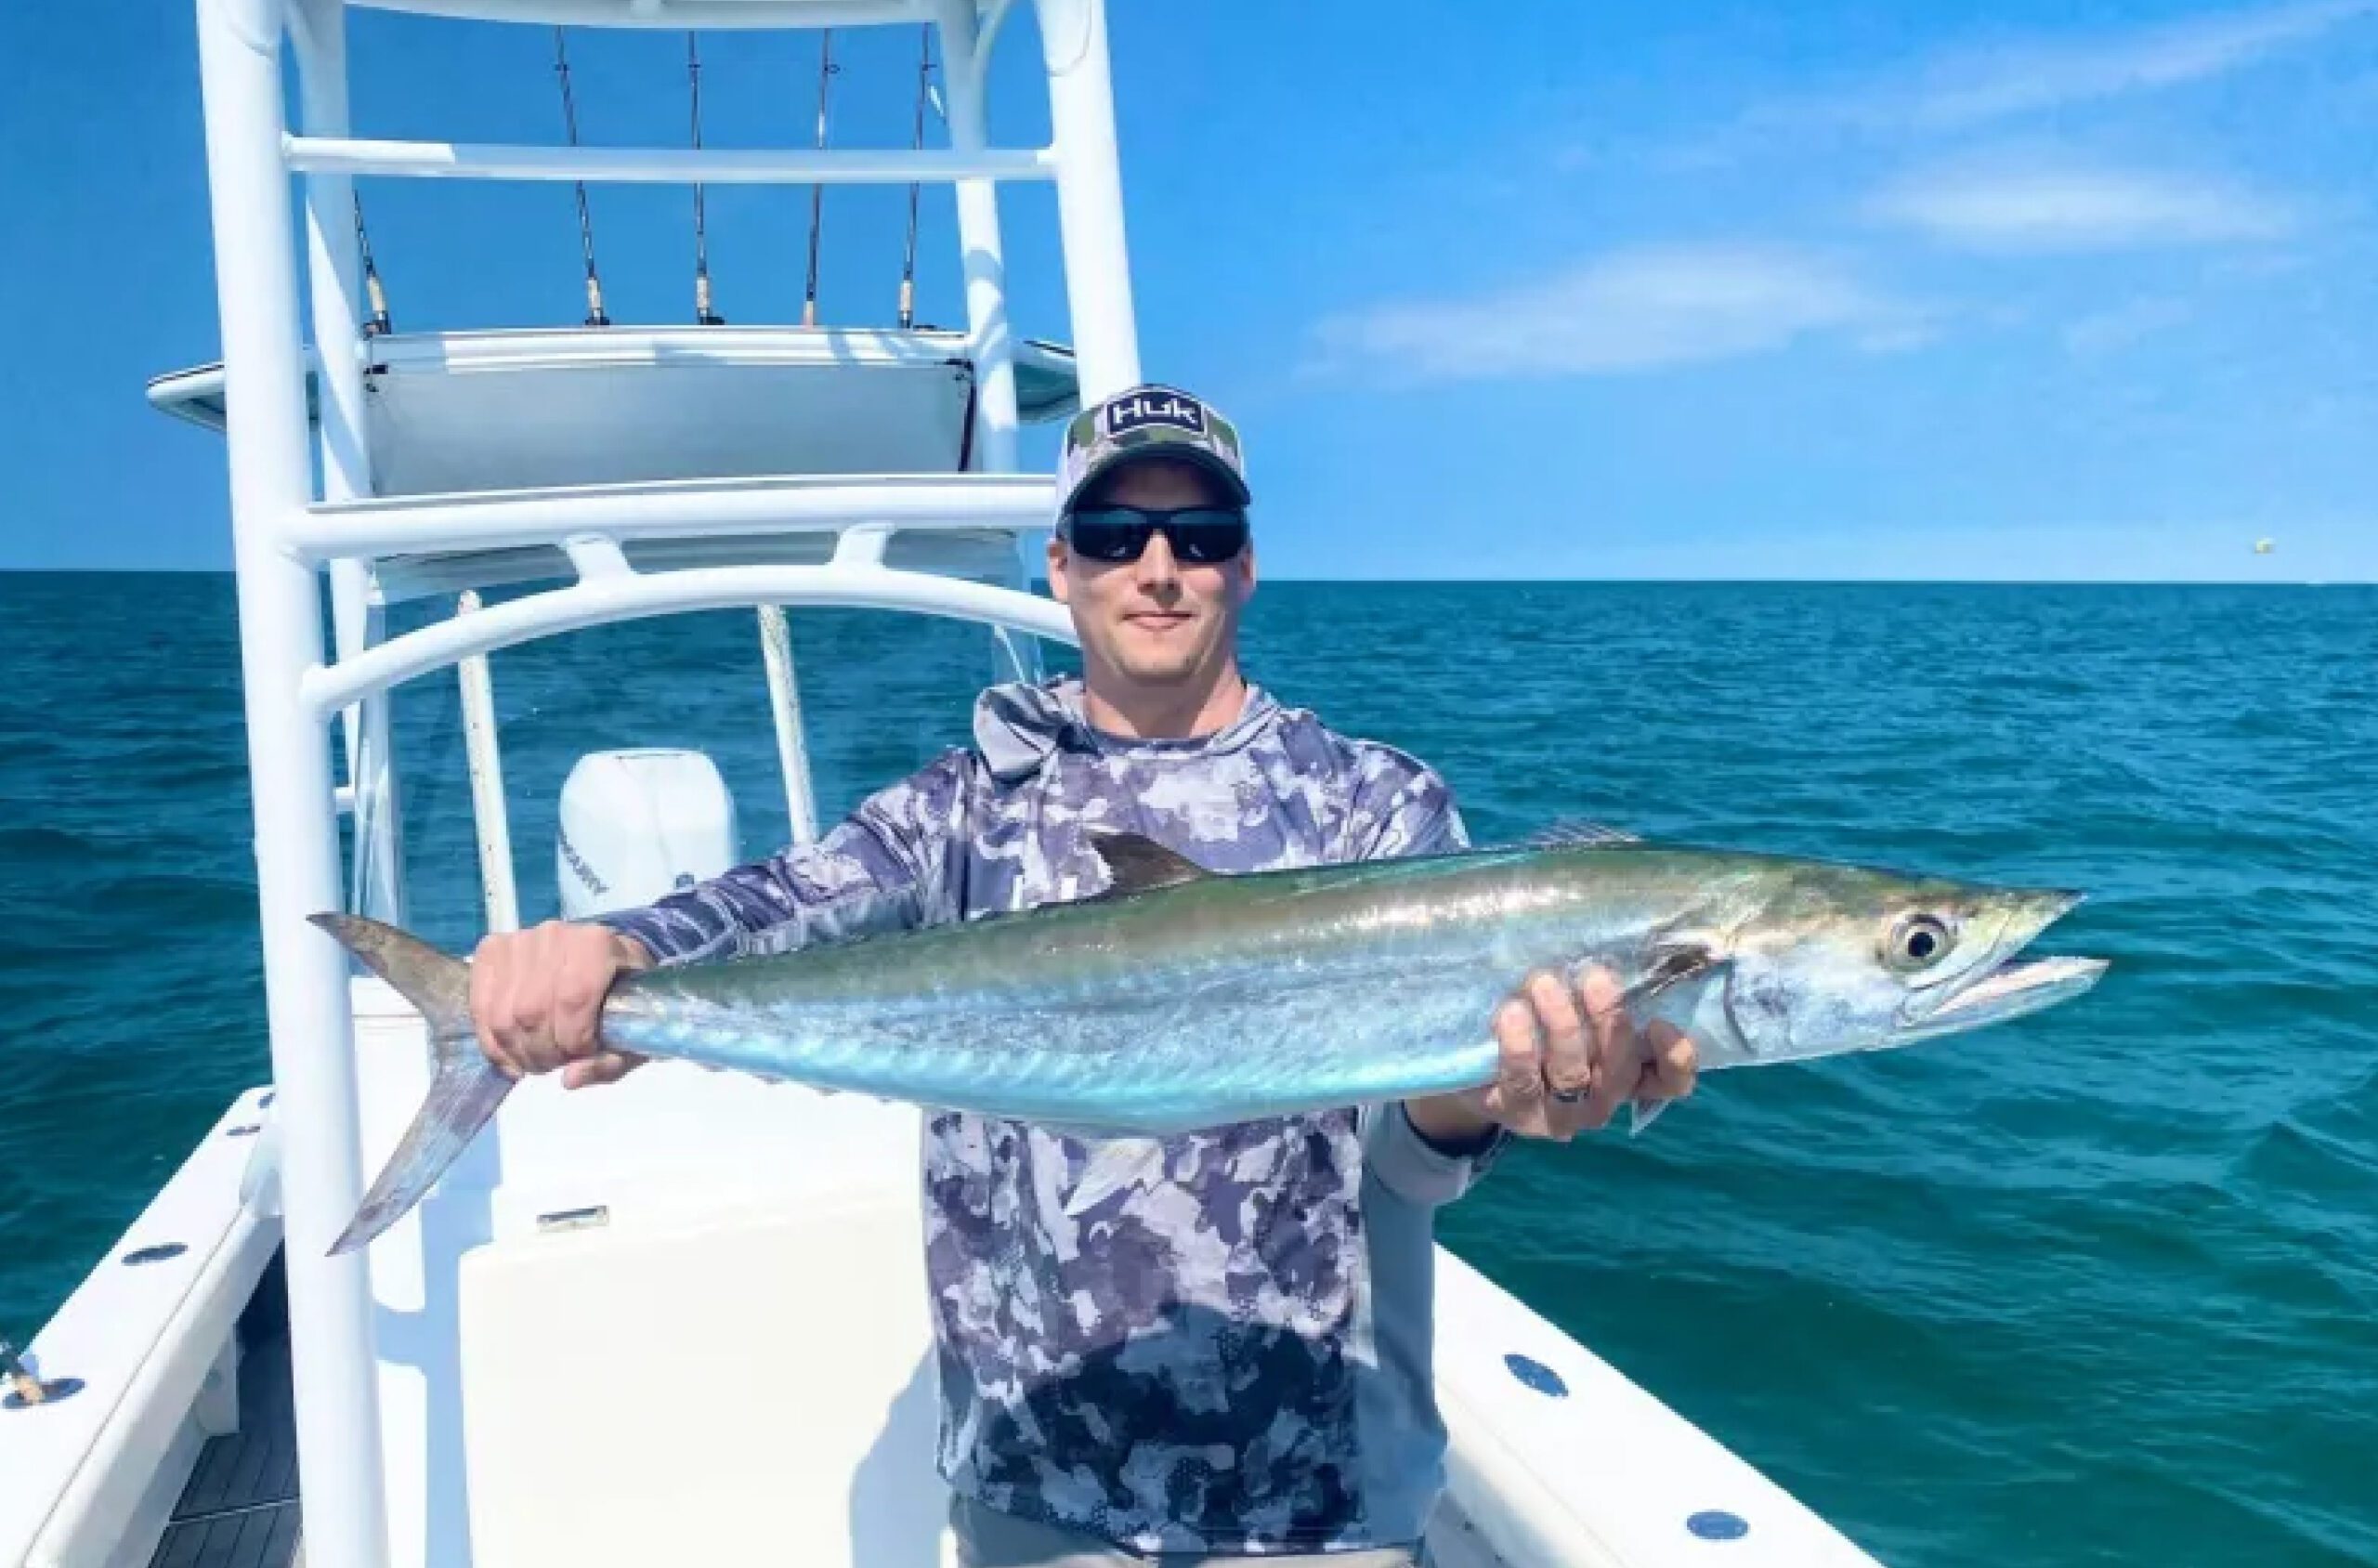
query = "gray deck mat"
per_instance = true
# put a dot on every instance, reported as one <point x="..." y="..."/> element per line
<point x="239" y="1509"/>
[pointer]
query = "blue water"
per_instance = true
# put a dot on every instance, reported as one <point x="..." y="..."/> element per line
<point x="2098" y="1286"/>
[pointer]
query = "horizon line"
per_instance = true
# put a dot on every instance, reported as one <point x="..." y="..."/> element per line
<point x="1646" y="581"/>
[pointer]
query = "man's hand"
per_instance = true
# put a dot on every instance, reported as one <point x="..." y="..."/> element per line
<point x="1570" y="1059"/>
<point x="536" y="995"/>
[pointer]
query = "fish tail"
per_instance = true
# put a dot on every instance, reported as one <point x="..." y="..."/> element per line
<point x="464" y="1091"/>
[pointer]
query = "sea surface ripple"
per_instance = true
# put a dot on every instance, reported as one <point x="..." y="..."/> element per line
<point x="2099" y="1287"/>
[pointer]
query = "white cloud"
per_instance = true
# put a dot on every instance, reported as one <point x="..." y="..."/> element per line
<point x="1977" y="87"/>
<point x="2039" y="210"/>
<point x="2111" y="331"/>
<point x="1900" y="335"/>
<point x="1632" y="310"/>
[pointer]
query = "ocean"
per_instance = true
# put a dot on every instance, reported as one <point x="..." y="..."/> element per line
<point x="2098" y="1286"/>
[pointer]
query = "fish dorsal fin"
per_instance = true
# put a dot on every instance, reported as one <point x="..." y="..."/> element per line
<point x="1139" y="864"/>
<point x="1580" y="835"/>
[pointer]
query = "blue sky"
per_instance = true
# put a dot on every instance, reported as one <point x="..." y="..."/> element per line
<point x="1529" y="290"/>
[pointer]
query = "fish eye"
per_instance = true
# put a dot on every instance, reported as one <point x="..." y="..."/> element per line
<point x="1918" y="942"/>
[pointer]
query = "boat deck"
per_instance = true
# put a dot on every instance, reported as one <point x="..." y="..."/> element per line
<point x="239" y="1509"/>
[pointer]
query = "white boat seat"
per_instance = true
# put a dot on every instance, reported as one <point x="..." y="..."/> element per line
<point x="740" y="1390"/>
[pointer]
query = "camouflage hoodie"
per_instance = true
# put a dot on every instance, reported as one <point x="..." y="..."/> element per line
<point x="1230" y="1352"/>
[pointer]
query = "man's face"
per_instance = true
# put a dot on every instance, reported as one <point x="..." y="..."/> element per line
<point x="1155" y="619"/>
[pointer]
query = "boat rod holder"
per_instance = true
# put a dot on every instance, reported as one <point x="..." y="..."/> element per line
<point x="26" y="1390"/>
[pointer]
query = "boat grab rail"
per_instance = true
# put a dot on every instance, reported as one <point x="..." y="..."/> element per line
<point x="657" y="165"/>
<point x="378" y="527"/>
<point x="610" y="590"/>
<point x="709" y="16"/>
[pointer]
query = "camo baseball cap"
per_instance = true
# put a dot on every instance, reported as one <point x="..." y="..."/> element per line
<point x="1149" y="421"/>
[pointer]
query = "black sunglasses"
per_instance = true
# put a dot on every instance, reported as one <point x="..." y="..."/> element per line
<point x="1201" y="536"/>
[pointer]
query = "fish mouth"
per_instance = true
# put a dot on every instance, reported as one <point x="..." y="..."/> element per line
<point x="1998" y="988"/>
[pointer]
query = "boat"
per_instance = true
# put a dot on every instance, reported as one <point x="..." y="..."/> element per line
<point x="607" y="1337"/>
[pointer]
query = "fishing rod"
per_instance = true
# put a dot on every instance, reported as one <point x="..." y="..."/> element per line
<point x="703" y="315"/>
<point x="377" y="324"/>
<point x="917" y="143"/>
<point x="594" y="314"/>
<point x="826" y="70"/>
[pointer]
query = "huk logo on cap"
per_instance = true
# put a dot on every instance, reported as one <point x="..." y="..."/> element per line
<point x="1138" y="411"/>
<point x="1148" y="421"/>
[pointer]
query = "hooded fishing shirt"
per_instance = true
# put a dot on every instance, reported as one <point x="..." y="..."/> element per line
<point x="1230" y="1352"/>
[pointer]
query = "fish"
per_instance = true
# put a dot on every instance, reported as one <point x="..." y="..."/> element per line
<point x="1177" y="1000"/>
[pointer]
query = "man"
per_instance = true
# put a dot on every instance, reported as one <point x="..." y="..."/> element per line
<point x="1230" y="1352"/>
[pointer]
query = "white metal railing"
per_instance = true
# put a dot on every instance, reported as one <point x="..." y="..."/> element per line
<point x="966" y="37"/>
<point x="332" y="276"/>
<point x="784" y="712"/>
<point x="673" y="508"/>
<point x="282" y="537"/>
<point x="710" y="15"/>
<point x="490" y="813"/>
<point x="631" y="596"/>
<point x="653" y="165"/>
<point x="338" y="1431"/>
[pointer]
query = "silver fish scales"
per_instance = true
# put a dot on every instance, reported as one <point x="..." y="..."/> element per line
<point x="1180" y="1000"/>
